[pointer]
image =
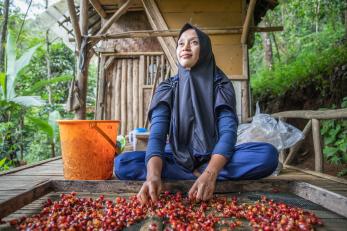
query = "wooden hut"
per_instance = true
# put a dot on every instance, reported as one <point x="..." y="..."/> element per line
<point x="135" y="42"/>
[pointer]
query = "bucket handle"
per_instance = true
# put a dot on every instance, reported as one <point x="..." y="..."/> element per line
<point x="101" y="132"/>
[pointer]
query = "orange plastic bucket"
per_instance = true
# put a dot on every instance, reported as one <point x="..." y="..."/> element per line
<point x="88" y="148"/>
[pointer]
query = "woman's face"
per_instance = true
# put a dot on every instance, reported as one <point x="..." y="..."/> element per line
<point x="188" y="49"/>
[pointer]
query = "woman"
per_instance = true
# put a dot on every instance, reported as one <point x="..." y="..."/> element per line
<point x="197" y="109"/>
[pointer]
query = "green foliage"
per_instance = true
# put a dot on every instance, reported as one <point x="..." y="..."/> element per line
<point x="306" y="67"/>
<point x="334" y="133"/>
<point x="309" y="45"/>
<point x="5" y="164"/>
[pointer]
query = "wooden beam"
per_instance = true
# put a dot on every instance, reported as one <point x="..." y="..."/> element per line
<point x="97" y="6"/>
<point x="308" y="114"/>
<point x="108" y="62"/>
<point x="14" y="203"/>
<point x="157" y="22"/>
<point x="84" y="16"/>
<point x="319" y="174"/>
<point x="318" y="195"/>
<point x="247" y="22"/>
<point x="74" y="23"/>
<point x="122" y="10"/>
<point x="318" y="158"/>
<point x="175" y="33"/>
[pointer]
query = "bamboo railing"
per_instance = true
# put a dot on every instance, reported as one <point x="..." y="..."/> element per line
<point x="313" y="125"/>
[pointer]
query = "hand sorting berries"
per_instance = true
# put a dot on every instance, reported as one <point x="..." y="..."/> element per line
<point x="177" y="212"/>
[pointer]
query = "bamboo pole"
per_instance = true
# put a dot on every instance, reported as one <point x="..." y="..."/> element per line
<point x="294" y="150"/>
<point x="247" y="22"/>
<point x="141" y="83"/>
<point x="108" y="52"/>
<point x="175" y="33"/>
<point x="122" y="10"/>
<point x="152" y="93"/>
<point x="136" y="92"/>
<point x="98" y="8"/>
<point x="318" y="160"/>
<point x="112" y="91"/>
<point x="245" y="96"/>
<point x="151" y="72"/>
<point x="162" y="60"/>
<point x="74" y="23"/>
<point x="129" y="96"/>
<point x="117" y="89"/>
<point x="110" y="101"/>
<point x="147" y="80"/>
<point x="124" y="97"/>
<point x="101" y="82"/>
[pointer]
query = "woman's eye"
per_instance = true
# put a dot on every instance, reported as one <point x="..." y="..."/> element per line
<point x="180" y="44"/>
<point x="195" y="42"/>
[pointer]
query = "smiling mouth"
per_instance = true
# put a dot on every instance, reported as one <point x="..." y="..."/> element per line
<point x="186" y="56"/>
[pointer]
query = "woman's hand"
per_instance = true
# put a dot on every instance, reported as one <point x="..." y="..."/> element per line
<point x="204" y="186"/>
<point x="150" y="189"/>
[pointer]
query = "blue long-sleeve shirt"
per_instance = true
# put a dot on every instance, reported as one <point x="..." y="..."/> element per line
<point x="160" y="122"/>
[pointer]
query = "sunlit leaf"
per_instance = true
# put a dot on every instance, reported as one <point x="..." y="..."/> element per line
<point x="45" y="82"/>
<point x="28" y="101"/>
<point x="43" y="126"/>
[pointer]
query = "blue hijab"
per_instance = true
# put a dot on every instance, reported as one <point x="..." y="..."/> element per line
<point x="193" y="97"/>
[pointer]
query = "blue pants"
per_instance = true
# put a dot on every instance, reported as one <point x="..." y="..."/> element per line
<point x="250" y="161"/>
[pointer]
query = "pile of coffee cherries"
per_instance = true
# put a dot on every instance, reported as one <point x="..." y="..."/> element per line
<point x="174" y="211"/>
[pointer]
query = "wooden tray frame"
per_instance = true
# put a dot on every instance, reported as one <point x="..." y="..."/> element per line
<point x="327" y="199"/>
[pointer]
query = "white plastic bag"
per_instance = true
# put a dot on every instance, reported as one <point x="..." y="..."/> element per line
<point x="265" y="128"/>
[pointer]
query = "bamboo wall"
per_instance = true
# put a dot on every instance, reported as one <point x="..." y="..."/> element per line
<point x="128" y="88"/>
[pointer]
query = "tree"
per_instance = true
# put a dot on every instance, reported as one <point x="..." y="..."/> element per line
<point x="3" y="35"/>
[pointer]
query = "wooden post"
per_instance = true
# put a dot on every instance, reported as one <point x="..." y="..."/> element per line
<point x="141" y="83"/>
<point x="247" y="22"/>
<point x="318" y="160"/>
<point x="74" y="23"/>
<point x="136" y="93"/>
<point x="117" y="90"/>
<point x="157" y="22"/>
<point x="129" y="96"/>
<point x="124" y="97"/>
<point x="82" y="76"/>
<point x="245" y="94"/>
<point x="293" y="150"/>
<point x="282" y="154"/>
